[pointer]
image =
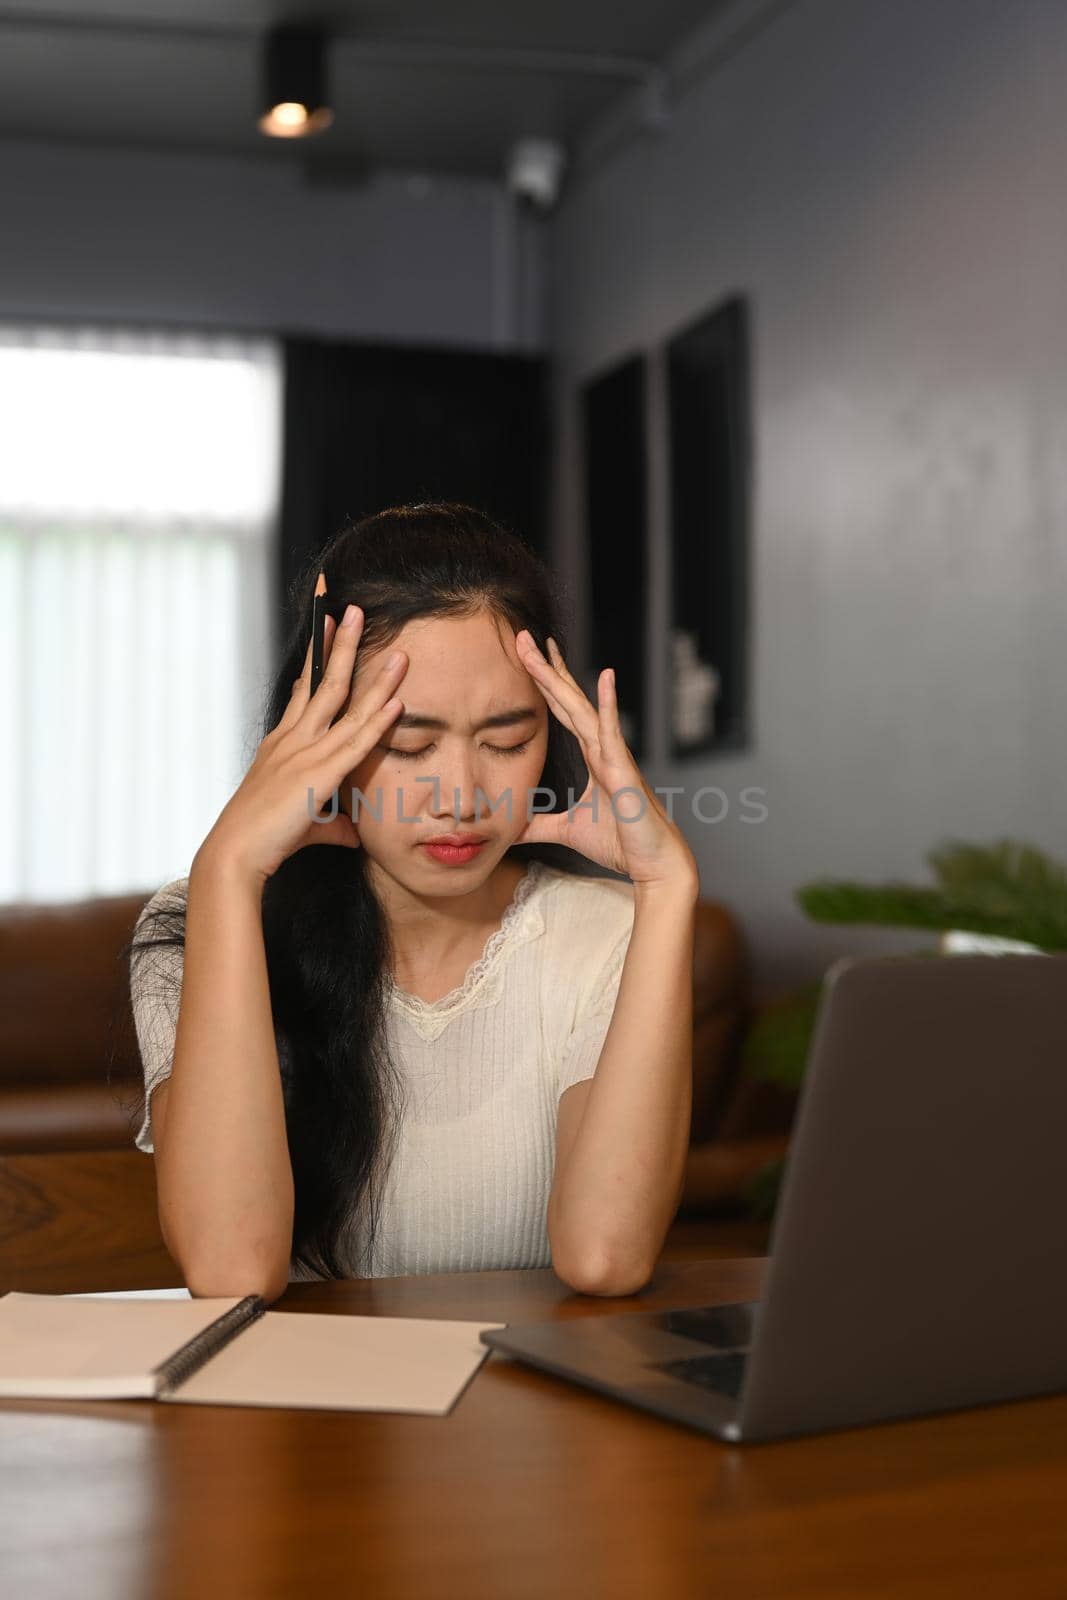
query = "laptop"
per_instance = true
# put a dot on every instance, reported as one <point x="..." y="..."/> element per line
<point x="918" y="1257"/>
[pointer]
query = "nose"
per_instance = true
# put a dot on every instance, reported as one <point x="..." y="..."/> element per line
<point x="467" y="789"/>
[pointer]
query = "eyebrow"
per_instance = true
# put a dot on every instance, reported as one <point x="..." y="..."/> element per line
<point x="502" y="719"/>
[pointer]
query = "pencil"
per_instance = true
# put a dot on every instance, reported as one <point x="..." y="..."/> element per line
<point x="318" y="630"/>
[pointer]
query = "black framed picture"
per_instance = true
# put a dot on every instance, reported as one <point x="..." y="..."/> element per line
<point x="710" y="469"/>
<point x="616" y="475"/>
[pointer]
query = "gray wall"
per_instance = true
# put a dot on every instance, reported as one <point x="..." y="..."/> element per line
<point x="112" y="233"/>
<point x="888" y="180"/>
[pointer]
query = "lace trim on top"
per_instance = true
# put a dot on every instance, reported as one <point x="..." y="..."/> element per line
<point x="520" y="921"/>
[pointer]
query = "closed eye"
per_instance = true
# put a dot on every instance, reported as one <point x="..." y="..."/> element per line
<point x="416" y="755"/>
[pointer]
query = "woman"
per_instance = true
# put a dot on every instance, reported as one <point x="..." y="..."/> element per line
<point x="392" y="1056"/>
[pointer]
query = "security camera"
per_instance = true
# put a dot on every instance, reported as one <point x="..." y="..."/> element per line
<point x="535" y="168"/>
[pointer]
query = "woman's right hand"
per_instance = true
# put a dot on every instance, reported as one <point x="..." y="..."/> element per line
<point x="268" y="817"/>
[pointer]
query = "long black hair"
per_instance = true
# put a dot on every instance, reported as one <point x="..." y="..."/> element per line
<point x="326" y="937"/>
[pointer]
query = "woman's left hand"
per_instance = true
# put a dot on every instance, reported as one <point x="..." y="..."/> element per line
<point x="627" y="831"/>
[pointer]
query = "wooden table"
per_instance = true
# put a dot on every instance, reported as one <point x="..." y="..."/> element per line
<point x="532" y="1487"/>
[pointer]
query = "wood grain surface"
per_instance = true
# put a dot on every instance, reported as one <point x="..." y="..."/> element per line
<point x="531" y="1488"/>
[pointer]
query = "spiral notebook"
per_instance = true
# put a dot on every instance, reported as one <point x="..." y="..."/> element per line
<point x="232" y="1352"/>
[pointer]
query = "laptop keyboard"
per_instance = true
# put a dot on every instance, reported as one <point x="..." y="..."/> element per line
<point x="727" y="1330"/>
<point x="728" y="1327"/>
<point x="721" y="1373"/>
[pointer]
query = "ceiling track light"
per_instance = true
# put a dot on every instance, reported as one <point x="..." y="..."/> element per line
<point x="293" y="103"/>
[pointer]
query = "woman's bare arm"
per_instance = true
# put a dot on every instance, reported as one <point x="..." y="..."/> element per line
<point x="223" y="1174"/>
<point x="622" y="1136"/>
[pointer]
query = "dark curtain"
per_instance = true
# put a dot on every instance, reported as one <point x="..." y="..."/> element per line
<point x="369" y="426"/>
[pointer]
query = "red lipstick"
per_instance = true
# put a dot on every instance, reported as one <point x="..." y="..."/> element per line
<point x="454" y="849"/>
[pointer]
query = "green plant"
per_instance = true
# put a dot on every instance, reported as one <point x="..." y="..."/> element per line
<point x="777" y="1042"/>
<point x="1006" y="890"/>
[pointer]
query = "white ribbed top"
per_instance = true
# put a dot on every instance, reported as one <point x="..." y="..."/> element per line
<point x="482" y="1070"/>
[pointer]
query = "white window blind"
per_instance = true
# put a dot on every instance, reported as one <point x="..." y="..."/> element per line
<point x="139" y="482"/>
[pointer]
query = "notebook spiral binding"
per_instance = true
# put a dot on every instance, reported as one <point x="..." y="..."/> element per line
<point x="189" y="1357"/>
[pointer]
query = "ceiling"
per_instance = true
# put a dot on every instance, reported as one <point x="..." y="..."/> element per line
<point x="182" y="75"/>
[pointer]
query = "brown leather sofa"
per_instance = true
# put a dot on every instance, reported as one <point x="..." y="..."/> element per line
<point x="66" y="1025"/>
<point x="70" y="1075"/>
